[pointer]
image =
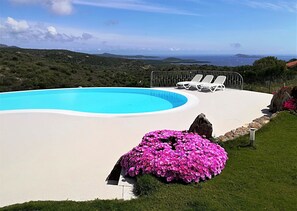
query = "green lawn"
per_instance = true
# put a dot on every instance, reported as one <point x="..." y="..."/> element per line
<point x="264" y="178"/>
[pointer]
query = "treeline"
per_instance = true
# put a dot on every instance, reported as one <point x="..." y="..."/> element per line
<point x="264" y="69"/>
<point x="25" y="69"/>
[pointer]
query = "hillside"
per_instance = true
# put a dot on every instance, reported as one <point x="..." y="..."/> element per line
<point x="25" y="69"/>
<point x="22" y="69"/>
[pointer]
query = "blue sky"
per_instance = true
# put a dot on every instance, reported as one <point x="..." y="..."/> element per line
<point x="152" y="26"/>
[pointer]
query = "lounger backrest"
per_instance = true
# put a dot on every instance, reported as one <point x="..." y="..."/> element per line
<point x="207" y="79"/>
<point x="197" y="78"/>
<point x="220" y="79"/>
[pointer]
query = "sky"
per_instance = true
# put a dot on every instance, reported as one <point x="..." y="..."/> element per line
<point x="152" y="27"/>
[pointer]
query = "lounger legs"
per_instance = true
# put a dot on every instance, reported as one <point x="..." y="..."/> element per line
<point x="211" y="88"/>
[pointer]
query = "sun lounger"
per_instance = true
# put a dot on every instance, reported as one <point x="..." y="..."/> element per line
<point x="185" y="84"/>
<point x="207" y="79"/>
<point x="217" y="84"/>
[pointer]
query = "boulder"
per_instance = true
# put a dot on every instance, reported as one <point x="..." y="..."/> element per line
<point x="279" y="98"/>
<point x="201" y="126"/>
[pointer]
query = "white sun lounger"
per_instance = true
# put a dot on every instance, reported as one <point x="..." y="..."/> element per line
<point x="217" y="84"/>
<point x="207" y="79"/>
<point x="185" y="84"/>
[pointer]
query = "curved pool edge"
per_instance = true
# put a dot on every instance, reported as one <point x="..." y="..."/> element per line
<point x="191" y="102"/>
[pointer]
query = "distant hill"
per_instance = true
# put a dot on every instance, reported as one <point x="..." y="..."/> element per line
<point x="248" y="56"/>
<point x="182" y="61"/>
<point x="7" y="46"/>
<point x="154" y="59"/>
<point x="127" y="56"/>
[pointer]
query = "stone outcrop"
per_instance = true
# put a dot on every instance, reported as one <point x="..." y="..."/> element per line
<point x="201" y="126"/>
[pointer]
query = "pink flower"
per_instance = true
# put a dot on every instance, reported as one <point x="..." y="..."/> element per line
<point x="290" y="104"/>
<point x="175" y="155"/>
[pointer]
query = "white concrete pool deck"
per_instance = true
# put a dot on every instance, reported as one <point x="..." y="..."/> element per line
<point x="56" y="156"/>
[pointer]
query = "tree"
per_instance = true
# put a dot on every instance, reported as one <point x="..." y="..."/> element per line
<point x="270" y="67"/>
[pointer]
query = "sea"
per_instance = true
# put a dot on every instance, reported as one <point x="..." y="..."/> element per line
<point x="227" y="60"/>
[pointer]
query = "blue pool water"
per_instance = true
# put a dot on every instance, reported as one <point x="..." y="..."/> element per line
<point x="93" y="100"/>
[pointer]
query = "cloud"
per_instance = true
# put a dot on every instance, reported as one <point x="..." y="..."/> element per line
<point x="16" y="26"/>
<point x="289" y="6"/>
<point x="52" y="31"/>
<point x="59" y="7"/>
<point x="134" y="5"/>
<point x="23" y="31"/>
<point x="174" y="49"/>
<point x="53" y="35"/>
<point x="65" y="7"/>
<point x="235" y="45"/>
<point x="112" y="22"/>
<point x="86" y="36"/>
<point x="24" y="1"/>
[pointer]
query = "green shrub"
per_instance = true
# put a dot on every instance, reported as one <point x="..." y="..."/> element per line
<point x="146" y="185"/>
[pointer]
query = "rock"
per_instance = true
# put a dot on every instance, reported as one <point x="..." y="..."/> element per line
<point x="222" y="138"/>
<point x="229" y="135"/>
<point x="266" y="118"/>
<point x="279" y="98"/>
<point x="245" y="130"/>
<point x="255" y="125"/>
<point x="262" y="120"/>
<point x="201" y="126"/>
<point x="274" y="115"/>
<point x="241" y="131"/>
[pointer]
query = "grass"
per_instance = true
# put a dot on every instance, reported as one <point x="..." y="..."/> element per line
<point x="264" y="178"/>
<point x="273" y="87"/>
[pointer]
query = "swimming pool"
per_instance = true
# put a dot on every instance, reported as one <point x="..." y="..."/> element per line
<point x="93" y="100"/>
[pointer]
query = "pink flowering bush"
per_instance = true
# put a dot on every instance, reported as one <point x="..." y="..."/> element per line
<point x="290" y="104"/>
<point x="175" y="155"/>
